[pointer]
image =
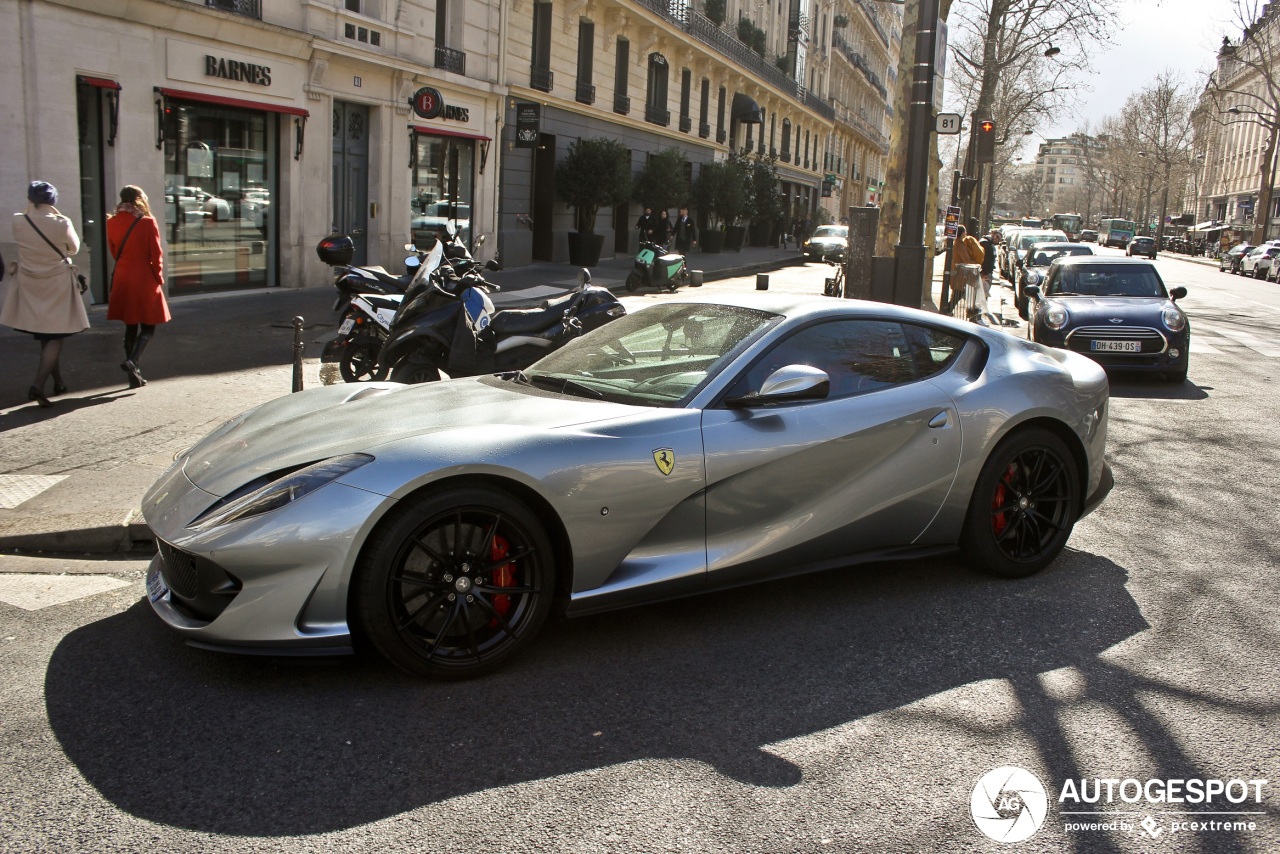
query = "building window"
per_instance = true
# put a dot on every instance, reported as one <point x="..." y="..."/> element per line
<point x="621" y="103"/>
<point x="786" y="140"/>
<point x="686" y="87"/>
<point x="704" y="110"/>
<point x="655" y="107"/>
<point x="720" y="130"/>
<point x="586" y="61"/>
<point x="540" y="76"/>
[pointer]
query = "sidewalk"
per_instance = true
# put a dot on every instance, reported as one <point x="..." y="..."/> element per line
<point x="72" y="477"/>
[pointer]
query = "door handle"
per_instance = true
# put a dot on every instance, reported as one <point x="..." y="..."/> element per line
<point x="357" y="231"/>
<point x="940" y="420"/>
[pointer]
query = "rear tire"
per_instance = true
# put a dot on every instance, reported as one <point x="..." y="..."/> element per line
<point x="359" y="363"/>
<point x="454" y="583"/>
<point x="1024" y="505"/>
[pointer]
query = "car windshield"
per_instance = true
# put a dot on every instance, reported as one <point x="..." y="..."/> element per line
<point x="1027" y="238"/>
<point x="831" y="231"/>
<point x="1038" y="257"/>
<point x="660" y="356"/>
<point x="1106" y="280"/>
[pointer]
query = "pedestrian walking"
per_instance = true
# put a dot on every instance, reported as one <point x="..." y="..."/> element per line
<point x="137" y="282"/>
<point x="988" y="266"/>
<point x="645" y="224"/>
<point x="44" y="297"/>
<point x="662" y="229"/>
<point x="686" y="232"/>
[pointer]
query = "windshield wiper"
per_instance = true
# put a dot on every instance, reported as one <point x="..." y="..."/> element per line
<point x="564" y="385"/>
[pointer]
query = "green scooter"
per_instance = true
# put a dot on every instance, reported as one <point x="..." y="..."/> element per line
<point x="657" y="267"/>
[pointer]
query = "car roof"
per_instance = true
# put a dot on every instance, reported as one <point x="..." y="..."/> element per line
<point x="1076" y="260"/>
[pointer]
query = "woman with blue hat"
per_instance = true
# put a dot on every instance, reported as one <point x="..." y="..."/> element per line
<point x="44" y="298"/>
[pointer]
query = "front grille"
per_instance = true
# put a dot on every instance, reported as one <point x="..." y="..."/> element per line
<point x="179" y="571"/>
<point x="1081" y="340"/>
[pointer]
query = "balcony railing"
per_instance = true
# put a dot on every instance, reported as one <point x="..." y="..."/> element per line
<point x="451" y="60"/>
<point x="721" y="135"/>
<point x="541" y="79"/>
<point x="657" y="115"/>
<point x="704" y="130"/>
<point x="586" y="92"/>
<point x="861" y="64"/>
<point x="686" y="124"/>
<point x="819" y="106"/>
<point x="248" y="8"/>
<point x="874" y="16"/>
<point x="621" y="104"/>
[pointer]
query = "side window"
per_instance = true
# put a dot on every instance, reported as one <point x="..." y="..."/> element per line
<point x="933" y="349"/>
<point x="858" y="355"/>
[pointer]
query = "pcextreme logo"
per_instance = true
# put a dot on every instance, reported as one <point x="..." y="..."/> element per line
<point x="1009" y="804"/>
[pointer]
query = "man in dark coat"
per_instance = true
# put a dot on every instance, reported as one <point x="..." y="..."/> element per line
<point x="686" y="232"/>
<point x="662" y="229"/>
<point x="645" y="224"/>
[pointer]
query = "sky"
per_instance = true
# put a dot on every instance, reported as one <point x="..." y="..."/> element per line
<point x="1154" y="35"/>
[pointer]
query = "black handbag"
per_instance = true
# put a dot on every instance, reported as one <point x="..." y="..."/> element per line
<point x="81" y="281"/>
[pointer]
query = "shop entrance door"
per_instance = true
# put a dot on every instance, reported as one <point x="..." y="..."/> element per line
<point x="351" y="175"/>
<point x="90" y="115"/>
<point x="544" y="195"/>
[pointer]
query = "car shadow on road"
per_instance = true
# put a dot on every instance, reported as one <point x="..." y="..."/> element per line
<point x="1156" y="388"/>
<point x="262" y="747"/>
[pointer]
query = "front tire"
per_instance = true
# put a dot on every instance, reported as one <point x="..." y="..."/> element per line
<point x="634" y="281"/>
<point x="359" y="363"/>
<point x="455" y="583"/>
<point x="412" y="373"/>
<point x="1024" y="505"/>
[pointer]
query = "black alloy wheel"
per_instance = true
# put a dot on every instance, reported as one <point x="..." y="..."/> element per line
<point x="359" y="362"/>
<point x="413" y="371"/>
<point x="1024" y="505"/>
<point x="455" y="583"/>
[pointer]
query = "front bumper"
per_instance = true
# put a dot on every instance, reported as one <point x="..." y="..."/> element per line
<point x="1101" y="492"/>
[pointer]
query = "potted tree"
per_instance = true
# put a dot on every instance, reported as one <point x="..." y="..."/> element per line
<point x="739" y="204"/>
<point x="663" y="183"/>
<point x="595" y="173"/>
<point x="720" y="195"/>
<point x="766" y="205"/>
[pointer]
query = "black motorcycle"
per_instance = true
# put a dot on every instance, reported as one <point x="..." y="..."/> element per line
<point x="449" y="325"/>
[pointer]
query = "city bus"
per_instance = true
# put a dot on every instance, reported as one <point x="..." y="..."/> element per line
<point x="1115" y="232"/>
<point x="1069" y="224"/>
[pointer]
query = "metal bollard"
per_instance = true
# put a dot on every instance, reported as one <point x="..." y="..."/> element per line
<point x="297" y="353"/>
<point x="762" y="281"/>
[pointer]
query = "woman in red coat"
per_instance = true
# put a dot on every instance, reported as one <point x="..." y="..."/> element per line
<point x="137" y="283"/>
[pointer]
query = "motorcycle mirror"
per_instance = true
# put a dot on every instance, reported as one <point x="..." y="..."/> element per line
<point x="584" y="276"/>
<point x="412" y="261"/>
<point x="492" y="264"/>
<point x="480" y="240"/>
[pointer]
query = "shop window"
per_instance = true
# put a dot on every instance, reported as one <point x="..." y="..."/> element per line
<point x="443" y="186"/>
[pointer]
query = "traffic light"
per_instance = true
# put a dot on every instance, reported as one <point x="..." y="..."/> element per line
<point x="986" y="141"/>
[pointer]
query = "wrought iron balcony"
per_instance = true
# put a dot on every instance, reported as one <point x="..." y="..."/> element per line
<point x="586" y="92"/>
<point x="721" y="135"/>
<point x="704" y="130"/>
<point x="248" y="8"/>
<point x="621" y="104"/>
<point x="686" y="124"/>
<point x="541" y="79"/>
<point x="657" y="115"/>
<point x="451" y="60"/>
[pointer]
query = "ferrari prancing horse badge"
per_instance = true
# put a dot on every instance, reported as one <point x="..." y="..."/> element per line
<point x="666" y="460"/>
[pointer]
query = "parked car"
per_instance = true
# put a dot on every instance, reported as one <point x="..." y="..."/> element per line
<point x="939" y="239"/>
<point x="1115" y="311"/>
<point x="1012" y="259"/>
<point x="687" y="447"/>
<point x="1035" y="264"/>
<point x="1088" y="235"/>
<point x="1258" y="261"/>
<point x="827" y="240"/>
<point x="1141" y="245"/>
<point x="1229" y="261"/>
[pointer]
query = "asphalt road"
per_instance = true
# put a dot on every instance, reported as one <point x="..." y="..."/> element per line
<point x="853" y="710"/>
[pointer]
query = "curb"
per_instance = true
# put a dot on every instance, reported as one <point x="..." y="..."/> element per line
<point x="116" y="532"/>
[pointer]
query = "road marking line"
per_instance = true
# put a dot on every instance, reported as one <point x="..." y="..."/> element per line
<point x="1200" y="347"/>
<point x="1263" y="347"/>
<point x="31" y="592"/>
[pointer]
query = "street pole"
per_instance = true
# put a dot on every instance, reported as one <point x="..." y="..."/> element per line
<point x="910" y="287"/>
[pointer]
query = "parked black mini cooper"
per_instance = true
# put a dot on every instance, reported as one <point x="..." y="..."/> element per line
<point x="1114" y="310"/>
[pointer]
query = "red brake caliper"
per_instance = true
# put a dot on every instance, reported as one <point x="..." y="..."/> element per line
<point x="1000" y="520"/>
<point x="503" y="576"/>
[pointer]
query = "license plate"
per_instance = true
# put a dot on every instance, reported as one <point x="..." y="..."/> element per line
<point x="1117" y="346"/>
<point x="346" y="326"/>
<point x="156" y="588"/>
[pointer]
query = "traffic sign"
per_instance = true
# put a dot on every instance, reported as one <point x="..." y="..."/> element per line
<point x="947" y="123"/>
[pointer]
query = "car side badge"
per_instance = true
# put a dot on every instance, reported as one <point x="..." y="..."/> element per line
<point x="665" y="459"/>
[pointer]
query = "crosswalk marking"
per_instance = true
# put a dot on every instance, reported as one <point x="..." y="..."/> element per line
<point x="1198" y="346"/>
<point x="1265" y="348"/>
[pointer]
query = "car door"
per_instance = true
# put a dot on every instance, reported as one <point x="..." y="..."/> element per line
<point x="810" y="482"/>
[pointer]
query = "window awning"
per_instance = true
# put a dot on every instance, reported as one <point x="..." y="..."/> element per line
<point x="231" y="102"/>
<point x="1206" y="226"/>
<point x="100" y="82"/>
<point x="745" y="109"/>
<point x="461" y="134"/>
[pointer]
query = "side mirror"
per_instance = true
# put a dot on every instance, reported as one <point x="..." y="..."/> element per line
<point x="787" y="384"/>
<point x="1032" y="291"/>
<point x="492" y="264"/>
<point x="480" y="240"/>
<point x="584" y="276"/>
<point x="1177" y="293"/>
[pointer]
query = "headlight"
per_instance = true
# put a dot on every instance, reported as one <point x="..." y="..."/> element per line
<point x="1033" y="278"/>
<point x="281" y="492"/>
<point x="1174" y="319"/>
<point x="1056" y="317"/>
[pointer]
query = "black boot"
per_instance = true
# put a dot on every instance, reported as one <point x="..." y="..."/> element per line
<point x="130" y="365"/>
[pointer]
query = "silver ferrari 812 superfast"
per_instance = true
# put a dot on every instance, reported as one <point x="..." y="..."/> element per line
<point x="686" y="447"/>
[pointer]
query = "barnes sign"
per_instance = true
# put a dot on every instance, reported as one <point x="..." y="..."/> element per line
<point x="241" y="72"/>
